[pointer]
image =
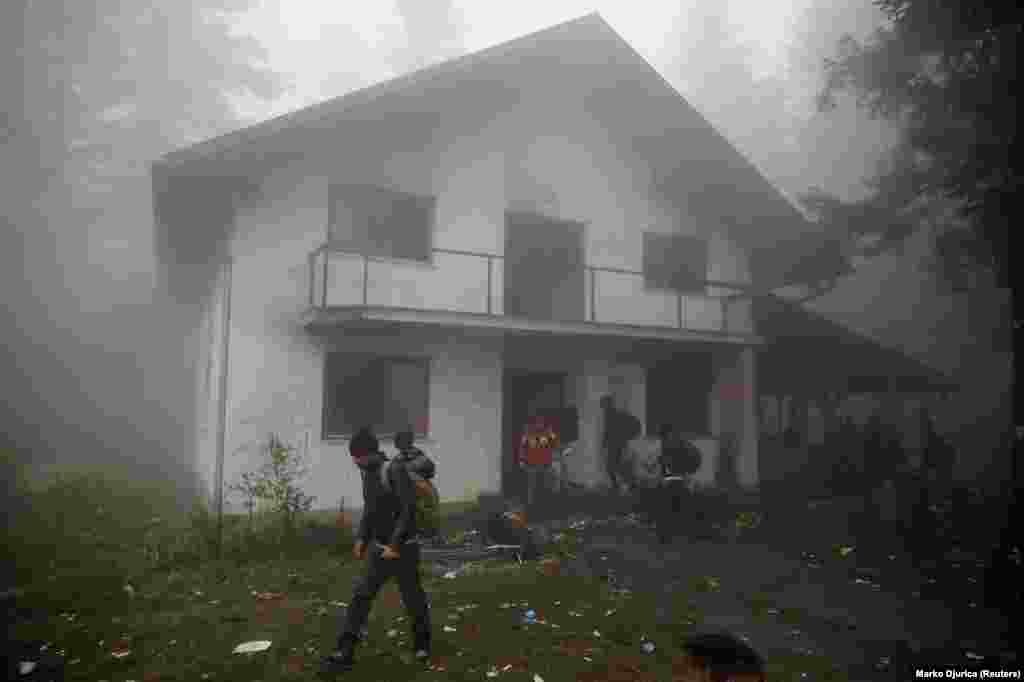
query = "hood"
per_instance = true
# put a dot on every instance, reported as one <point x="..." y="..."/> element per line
<point x="374" y="461"/>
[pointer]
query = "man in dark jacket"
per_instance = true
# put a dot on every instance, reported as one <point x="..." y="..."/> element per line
<point x="388" y="527"/>
<point x="679" y="460"/>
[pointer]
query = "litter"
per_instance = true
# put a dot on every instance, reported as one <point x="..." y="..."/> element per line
<point x="597" y="634"/>
<point x="647" y="647"/>
<point x="268" y="596"/>
<point x="973" y="656"/>
<point x="450" y="575"/>
<point x="339" y="604"/>
<point x="538" y="678"/>
<point x="26" y="667"/>
<point x="252" y="647"/>
<point x="449" y="628"/>
<point x="392" y="634"/>
<point x="121" y="653"/>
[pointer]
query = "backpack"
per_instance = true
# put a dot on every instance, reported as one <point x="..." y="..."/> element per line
<point x="428" y="502"/>
<point x="683" y="458"/>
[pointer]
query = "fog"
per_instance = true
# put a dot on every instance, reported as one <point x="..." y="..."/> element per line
<point x="96" y="363"/>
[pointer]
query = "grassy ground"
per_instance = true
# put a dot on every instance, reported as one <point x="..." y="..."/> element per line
<point x="183" y="625"/>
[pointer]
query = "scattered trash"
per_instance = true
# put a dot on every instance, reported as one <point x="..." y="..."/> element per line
<point x="609" y="612"/>
<point x="450" y="575"/>
<point x="597" y="634"/>
<point x="252" y="647"/>
<point x="492" y="673"/>
<point x="268" y="596"/>
<point x="973" y="656"/>
<point x="844" y="550"/>
<point x="647" y="646"/>
<point x="129" y="590"/>
<point x="537" y="678"/>
<point x="392" y="634"/>
<point x="588" y="659"/>
<point x="121" y="653"/>
<point x="883" y="663"/>
<point x="339" y="604"/>
<point x="26" y="667"/>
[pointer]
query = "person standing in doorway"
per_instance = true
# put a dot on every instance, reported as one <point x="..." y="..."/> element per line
<point x="536" y="454"/>
<point x="620" y="427"/>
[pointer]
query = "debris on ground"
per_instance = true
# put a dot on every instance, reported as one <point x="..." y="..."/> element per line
<point x="252" y="647"/>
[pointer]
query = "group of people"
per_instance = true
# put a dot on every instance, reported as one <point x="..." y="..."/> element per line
<point x="388" y="537"/>
<point x="677" y="460"/>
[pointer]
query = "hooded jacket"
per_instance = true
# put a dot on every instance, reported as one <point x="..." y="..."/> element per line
<point x="417" y="462"/>
<point x="389" y="517"/>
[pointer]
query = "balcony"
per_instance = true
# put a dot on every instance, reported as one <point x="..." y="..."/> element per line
<point x="471" y="285"/>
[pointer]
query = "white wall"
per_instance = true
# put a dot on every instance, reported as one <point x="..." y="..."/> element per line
<point x="549" y="156"/>
<point x="546" y="156"/>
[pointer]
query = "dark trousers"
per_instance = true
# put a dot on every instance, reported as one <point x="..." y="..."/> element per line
<point x="674" y="510"/>
<point x="616" y="456"/>
<point x="406" y="570"/>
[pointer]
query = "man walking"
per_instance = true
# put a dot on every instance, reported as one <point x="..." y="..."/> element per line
<point x="387" y="540"/>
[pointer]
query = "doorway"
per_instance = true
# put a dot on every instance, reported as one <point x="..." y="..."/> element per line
<point x="679" y="392"/>
<point x="522" y="393"/>
<point x="544" y="268"/>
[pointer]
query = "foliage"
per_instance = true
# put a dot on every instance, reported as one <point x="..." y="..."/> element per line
<point x="945" y="70"/>
<point x="276" y="482"/>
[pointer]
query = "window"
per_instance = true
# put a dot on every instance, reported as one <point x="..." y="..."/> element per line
<point x="375" y="221"/>
<point x="386" y="393"/>
<point x="675" y="262"/>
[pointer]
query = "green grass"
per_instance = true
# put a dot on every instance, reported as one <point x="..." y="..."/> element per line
<point x="184" y="624"/>
<point x="83" y="539"/>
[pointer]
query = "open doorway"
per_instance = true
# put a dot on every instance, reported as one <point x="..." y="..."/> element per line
<point x="679" y="393"/>
<point x="522" y="393"/>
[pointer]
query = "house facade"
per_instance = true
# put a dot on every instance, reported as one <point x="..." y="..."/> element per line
<point x="530" y="227"/>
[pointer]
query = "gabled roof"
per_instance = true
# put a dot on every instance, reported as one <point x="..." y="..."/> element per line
<point x="688" y="157"/>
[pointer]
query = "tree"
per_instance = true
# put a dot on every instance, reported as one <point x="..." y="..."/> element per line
<point x="946" y="71"/>
<point x="94" y="91"/>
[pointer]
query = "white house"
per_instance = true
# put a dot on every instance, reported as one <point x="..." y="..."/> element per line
<point x="534" y="225"/>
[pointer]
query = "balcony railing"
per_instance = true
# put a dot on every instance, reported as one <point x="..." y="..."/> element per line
<point x="469" y="282"/>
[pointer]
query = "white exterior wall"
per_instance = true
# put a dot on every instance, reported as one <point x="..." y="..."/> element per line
<point x="548" y="158"/>
<point x="555" y="160"/>
<point x="734" y="410"/>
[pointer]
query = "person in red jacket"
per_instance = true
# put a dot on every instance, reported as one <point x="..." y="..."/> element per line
<point x="536" y="453"/>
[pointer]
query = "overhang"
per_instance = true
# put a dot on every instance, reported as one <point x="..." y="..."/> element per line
<point x="807" y="354"/>
<point x="317" y="319"/>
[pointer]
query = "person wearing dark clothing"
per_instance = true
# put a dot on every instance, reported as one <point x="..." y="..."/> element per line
<point x="620" y="427"/>
<point x="679" y="460"/>
<point x="412" y="457"/>
<point x="388" y="528"/>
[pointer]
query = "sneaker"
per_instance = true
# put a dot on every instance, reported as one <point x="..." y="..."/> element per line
<point x="338" y="662"/>
<point x="341" y="660"/>
<point x="422" y="655"/>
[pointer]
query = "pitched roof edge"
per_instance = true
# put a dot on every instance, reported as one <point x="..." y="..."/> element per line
<point x="319" y="111"/>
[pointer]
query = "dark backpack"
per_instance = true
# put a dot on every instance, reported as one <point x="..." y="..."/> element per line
<point x="682" y="458"/>
<point x="428" y="502"/>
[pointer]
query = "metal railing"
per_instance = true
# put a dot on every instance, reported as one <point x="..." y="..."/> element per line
<point x="594" y="300"/>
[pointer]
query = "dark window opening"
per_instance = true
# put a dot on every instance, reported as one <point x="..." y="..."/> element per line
<point x="387" y="393"/>
<point x="376" y="221"/>
<point x="675" y="262"/>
